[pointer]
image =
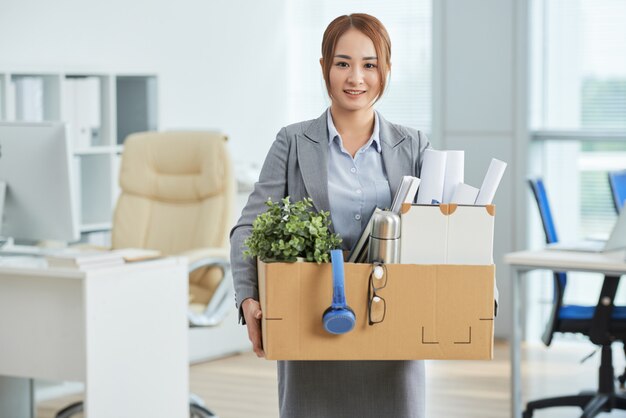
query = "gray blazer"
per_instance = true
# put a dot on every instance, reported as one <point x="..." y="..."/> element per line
<point x="297" y="166"/>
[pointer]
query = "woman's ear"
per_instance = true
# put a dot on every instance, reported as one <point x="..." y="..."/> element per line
<point x="322" y="63"/>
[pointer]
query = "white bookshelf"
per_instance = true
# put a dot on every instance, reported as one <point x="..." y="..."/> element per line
<point x="101" y="110"/>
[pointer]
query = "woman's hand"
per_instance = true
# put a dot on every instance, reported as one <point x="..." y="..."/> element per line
<point x="252" y="314"/>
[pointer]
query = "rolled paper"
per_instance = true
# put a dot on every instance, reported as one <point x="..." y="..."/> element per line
<point x="432" y="175"/>
<point x="455" y="167"/>
<point x="464" y="194"/>
<point x="491" y="182"/>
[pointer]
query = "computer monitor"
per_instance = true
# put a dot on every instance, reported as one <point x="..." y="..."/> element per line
<point x="36" y="167"/>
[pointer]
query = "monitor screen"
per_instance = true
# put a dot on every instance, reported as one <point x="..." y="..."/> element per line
<point x="36" y="167"/>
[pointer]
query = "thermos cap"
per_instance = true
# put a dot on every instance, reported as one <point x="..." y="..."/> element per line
<point x="385" y="225"/>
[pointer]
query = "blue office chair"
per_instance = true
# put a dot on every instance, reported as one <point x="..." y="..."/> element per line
<point x="603" y="324"/>
<point x="617" y="181"/>
<point x="617" y="184"/>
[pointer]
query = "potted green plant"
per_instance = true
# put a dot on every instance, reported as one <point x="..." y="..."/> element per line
<point x="290" y="231"/>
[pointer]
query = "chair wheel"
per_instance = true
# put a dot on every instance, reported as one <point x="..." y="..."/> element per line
<point x="71" y="410"/>
<point x="197" y="411"/>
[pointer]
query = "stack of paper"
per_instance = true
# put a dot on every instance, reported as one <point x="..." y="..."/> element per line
<point x="131" y="255"/>
<point x="85" y="260"/>
<point x="358" y="254"/>
<point x="405" y="194"/>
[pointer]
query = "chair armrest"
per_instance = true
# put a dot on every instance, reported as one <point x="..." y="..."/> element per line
<point x="203" y="257"/>
<point x="219" y="305"/>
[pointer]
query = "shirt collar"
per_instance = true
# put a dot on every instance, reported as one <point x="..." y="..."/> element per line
<point x="333" y="133"/>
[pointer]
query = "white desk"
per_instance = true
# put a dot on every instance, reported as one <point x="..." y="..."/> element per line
<point x="122" y="331"/>
<point x="521" y="262"/>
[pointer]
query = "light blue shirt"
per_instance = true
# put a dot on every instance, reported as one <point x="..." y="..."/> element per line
<point x="356" y="186"/>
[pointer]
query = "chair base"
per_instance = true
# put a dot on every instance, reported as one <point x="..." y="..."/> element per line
<point x="196" y="409"/>
<point x="592" y="403"/>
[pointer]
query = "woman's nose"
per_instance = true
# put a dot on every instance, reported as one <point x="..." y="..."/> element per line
<point x="356" y="76"/>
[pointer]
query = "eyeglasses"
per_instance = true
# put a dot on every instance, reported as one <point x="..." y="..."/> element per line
<point x="377" y="307"/>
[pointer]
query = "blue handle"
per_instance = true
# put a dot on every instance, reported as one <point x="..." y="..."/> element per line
<point x="339" y="298"/>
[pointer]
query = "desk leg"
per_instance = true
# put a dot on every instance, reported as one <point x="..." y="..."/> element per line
<point x="516" y="358"/>
<point x="17" y="397"/>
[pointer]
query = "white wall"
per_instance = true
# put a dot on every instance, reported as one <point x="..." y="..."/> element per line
<point x="221" y="64"/>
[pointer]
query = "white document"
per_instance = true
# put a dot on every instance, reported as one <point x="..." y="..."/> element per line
<point x="470" y="236"/>
<point x="491" y="182"/>
<point x="433" y="175"/>
<point x="455" y="168"/>
<point x="424" y="235"/>
<point x="464" y="194"/>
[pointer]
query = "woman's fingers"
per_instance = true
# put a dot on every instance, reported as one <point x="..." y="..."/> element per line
<point x="253" y="315"/>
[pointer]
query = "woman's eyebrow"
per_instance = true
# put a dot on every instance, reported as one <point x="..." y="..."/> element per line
<point x="348" y="57"/>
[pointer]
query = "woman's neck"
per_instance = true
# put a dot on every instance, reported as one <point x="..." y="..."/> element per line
<point x="355" y="127"/>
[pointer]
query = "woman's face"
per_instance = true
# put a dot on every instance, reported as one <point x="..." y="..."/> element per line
<point x="354" y="79"/>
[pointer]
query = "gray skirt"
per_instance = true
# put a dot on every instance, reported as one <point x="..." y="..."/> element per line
<point x="346" y="389"/>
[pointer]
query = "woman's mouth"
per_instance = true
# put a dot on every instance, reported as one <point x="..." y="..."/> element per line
<point x="354" y="92"/>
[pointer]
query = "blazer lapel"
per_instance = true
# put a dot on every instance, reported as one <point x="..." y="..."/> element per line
<point x="396" y="159"/>
<point x="313" y="161"/>
<point x="313" y="158"/>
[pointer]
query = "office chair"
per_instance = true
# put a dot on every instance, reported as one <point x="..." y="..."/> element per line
<point x="617" y="182"/>
<point x="177" y="193"/>
<point x="603" y="324"/>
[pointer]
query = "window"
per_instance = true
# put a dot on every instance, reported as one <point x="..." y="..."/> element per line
<point x="579" y="106"/>
<point x="578" y="116"/>
<point x="407" y="100"/>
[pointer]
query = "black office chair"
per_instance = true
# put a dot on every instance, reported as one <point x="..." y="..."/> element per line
<point x="603" y="324"/>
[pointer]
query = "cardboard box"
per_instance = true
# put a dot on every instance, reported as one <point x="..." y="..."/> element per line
<point x="433" y="312"/>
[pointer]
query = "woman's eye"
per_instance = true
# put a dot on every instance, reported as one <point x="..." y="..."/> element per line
<point x="370" y="65"/>
<point x="341" y="64"/>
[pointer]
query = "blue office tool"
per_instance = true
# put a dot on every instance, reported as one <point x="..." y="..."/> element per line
<point x="338" y="318"/>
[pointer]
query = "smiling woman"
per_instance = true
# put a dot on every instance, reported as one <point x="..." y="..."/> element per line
<point x="370" y="67"/>
<point x="349" y="160"/>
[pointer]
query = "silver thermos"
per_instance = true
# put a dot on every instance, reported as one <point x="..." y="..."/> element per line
<point x="384" y="238"/>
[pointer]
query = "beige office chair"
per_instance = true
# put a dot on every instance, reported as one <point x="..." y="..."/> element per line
<point x="177" y="197"/>
<point x="177" y="194"/>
